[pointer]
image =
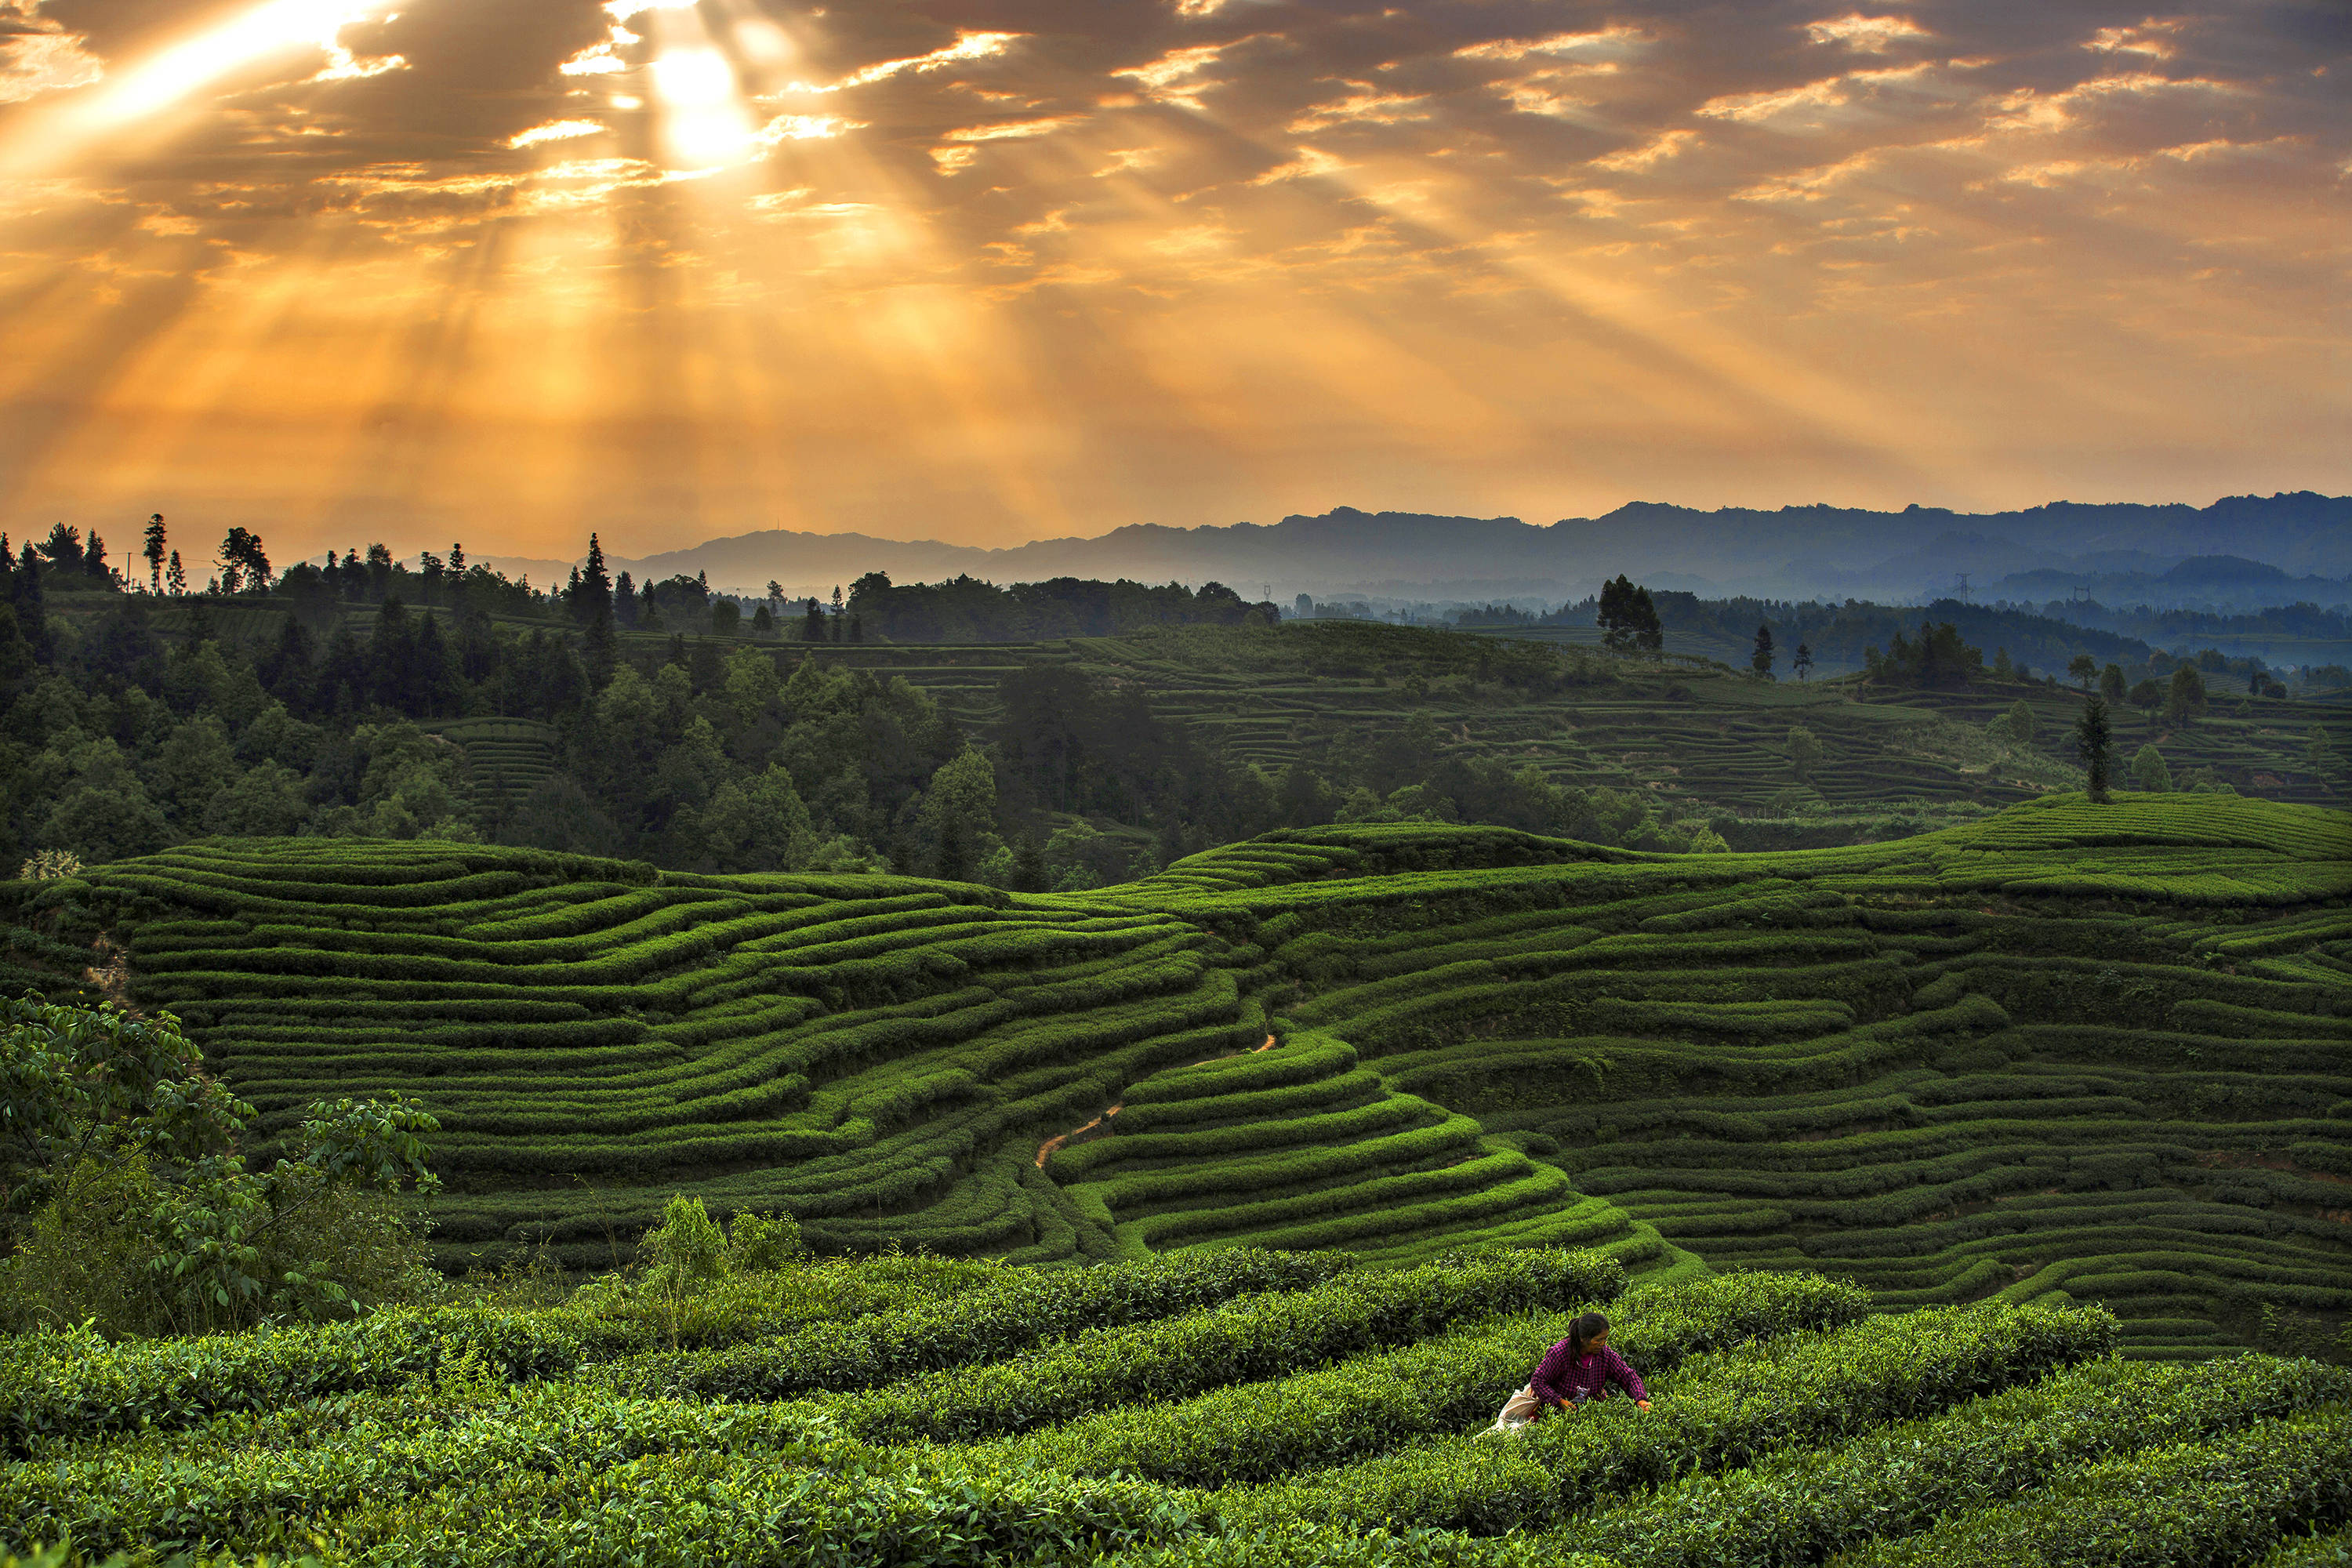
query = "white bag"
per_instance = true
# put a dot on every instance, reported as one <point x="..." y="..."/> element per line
<point x="1518" y="1411"/>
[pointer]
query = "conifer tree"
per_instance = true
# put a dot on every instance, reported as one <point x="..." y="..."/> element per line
<point x="2092" y="739"/>
<point x="154" y="554"/>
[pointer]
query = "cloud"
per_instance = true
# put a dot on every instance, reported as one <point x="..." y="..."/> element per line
<point x="2151" y="38"/>
<point x="1606" y="44"/>
<point x="1869" y="35"/>
<point x="32" y="64"/>
<point x="1665" y="144"/>
<point x="555" y="131"/>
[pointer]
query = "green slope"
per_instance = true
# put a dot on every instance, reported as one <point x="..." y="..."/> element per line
<point x="2098" y="1053"/>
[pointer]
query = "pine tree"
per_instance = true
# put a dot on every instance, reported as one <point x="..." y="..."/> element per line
<point x="1760" y="661"/>
<point x="597" y="584"/>
<point x="175" y="576"/>
<point x="2093" y="738"/>
<point x="812" y="623"/>
<point x="154" y="554"/>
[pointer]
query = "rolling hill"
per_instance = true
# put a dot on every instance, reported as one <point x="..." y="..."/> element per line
<point x="2069" y="1052"/>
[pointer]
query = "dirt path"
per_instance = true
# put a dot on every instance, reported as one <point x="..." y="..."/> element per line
<point x="1046" y="1150"/>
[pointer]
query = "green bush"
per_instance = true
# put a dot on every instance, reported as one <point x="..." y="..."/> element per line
<point x="1256" y="1337"/>
<point x="1805" y="1388"/>
<point x="1260" y="1431"/>
<point x="2183" y="1505"/>
<point x="1806" y="1505"/>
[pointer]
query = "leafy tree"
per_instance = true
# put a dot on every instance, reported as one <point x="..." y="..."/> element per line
<point x="726" y="618"/>
<point x="1760" y="660"/>
<point x="812" y="623"/>
<point x="958" y="816"/>
<point x="154" y="554"/>
<point x="2148" y="771"/>
<point x="1940" y="658"/>
<point x="63" y="547"/>
<point x="243" y="563"/>
<point x="1804" y="752"/>
<point x="2092" y="740"/>
<point x="120" y="1177"/>
<point x="1803" y="662"/>
<point x="758" y="824"/>
<point x="2111" y="685"/>
<point x="2184" y="696"/>
<point x="2022" y="728"/>
<point x="2083" y="670"/>
<point x="763" y="624"/>
<point x="2147" y="696"/>
<point x="1628" y="618"/>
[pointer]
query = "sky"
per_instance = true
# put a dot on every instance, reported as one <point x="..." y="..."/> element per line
<point x="504" y="271"/>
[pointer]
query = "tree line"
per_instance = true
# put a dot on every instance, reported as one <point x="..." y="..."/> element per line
<point x="154" y="722"/>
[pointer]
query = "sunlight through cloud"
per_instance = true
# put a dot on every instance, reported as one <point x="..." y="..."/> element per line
<point x="967" y="46"/>
<point x="558" y="130"/>
<point x="1870" y="35"/>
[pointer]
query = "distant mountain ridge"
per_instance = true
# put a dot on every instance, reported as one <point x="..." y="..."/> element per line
<point x="1790" y="551"/>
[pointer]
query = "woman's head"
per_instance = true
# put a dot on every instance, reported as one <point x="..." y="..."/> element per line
<point x="1587" y="1333"/>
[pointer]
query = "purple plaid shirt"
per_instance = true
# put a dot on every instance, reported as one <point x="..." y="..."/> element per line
<point x="1564" y="1375"/>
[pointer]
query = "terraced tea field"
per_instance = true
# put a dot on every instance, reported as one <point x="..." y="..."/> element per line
<point x="1207" y="1411"/>
<point x="2068" y="1053"/>
<point x="1692" y="733"/>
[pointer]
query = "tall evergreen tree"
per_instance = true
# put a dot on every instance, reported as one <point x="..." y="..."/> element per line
<point x="1803" y="662"/>
<point x="596" y="583"/>
<point x="2094" y="741"/>
<point x="1760" y="660"/>
<point x="154" y="554"/>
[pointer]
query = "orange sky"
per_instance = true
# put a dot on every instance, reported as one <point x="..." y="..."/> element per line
<point x="506" y="270"/>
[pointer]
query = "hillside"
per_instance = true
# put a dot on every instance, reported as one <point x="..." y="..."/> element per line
<point x="2068" y="1051"/>
<point x="1240" y="1409"/>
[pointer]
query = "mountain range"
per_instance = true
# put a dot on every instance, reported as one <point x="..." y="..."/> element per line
<point x="2278" y="549"/>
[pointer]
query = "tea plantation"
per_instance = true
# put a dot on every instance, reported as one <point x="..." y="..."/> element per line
<point x="1210" y="1408"/>
<point x="2072" y="1053"/>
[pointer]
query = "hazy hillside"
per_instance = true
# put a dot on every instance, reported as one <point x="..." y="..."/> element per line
<point x="1791" y="552"/>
